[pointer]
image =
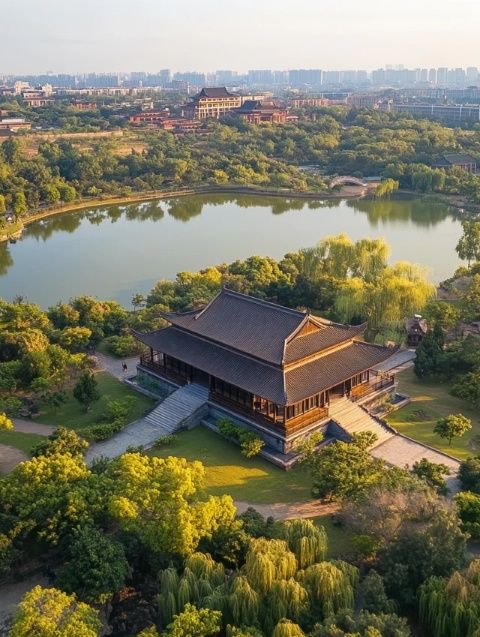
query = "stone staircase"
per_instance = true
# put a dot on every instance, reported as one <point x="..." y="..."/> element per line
<point x="352" y="419"/>
<point x="171" y="413"/>
<point x="182" y="408"/>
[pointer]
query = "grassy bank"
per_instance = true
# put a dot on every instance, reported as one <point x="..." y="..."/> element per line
<point x="229" y="472"/>
<point x="72" y="413"/>
<point x="429" y="402"/>
<point x="20" y="440"/>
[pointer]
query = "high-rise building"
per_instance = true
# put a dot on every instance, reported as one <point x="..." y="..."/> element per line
<point x="442" y="76"/>
<point x="432" y="76"/>
<point x="261" y="77"/>
<point x="473" y="76"/>
<point x="302" y="77"/>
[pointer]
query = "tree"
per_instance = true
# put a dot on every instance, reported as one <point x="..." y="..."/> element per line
<point x="86" y="390"/>
<point x="61" y="441"/>
<point x="373" y="596"/>
<point x="3" y="205"/>
<point x="450" y="606"/>
<point x="47" y="612"/>
<point x="348" y="624"/>
<point x="96" y="566"/>
<point x="471" y="298"/>
<point x="469" y="512"/>
<point x="345" y="469"/>
<point x="469" y="474"/>
<point x="468" y="388"/>
<point x="194" y="622"/>
<point x="137" y="301"/>
<point x="75" y="339"/>
<point x="159" y="499"/>
<point x="386" y="187"/>
<point x="433" y="474"/>
<point x="5" y="422"/>
<point x="53" y="495"/>
<point x="286" y="628"/>
<point x="468" y="246"/>
<point x="453" y="426"/>
<point x="19" y="205"/>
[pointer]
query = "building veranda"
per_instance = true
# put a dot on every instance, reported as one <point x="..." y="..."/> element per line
<point x="269" y="368"/>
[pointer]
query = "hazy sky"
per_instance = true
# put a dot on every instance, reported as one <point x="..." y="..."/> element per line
<point x="125" y="35"/>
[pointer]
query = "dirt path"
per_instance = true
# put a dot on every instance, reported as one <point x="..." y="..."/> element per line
<point x="30" y="427"/>
<point x="282" y="511"/>
<point x="12" y="593"/>
<point x="9" y="458"/>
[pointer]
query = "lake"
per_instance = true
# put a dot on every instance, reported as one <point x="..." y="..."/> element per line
<point x="113" y="251"/>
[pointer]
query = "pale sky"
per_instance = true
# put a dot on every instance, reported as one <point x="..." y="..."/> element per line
<point x="126" y="35"/>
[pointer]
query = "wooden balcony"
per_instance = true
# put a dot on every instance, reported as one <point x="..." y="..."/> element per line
<point x="361" y="391"/>
<point x="293" y="425"/>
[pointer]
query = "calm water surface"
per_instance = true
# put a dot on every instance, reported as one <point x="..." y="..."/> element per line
<point x="113" y="251"/>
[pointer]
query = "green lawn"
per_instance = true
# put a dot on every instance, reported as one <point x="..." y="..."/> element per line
<point x="20" y="440"/>
<point x="339" y="538"/>
<point x="228" y="472"/>
<point x="72" y="413"/>
<point x="431" y="401"/>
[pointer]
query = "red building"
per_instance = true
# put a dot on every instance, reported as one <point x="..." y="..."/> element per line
<point x="257" y="112"/>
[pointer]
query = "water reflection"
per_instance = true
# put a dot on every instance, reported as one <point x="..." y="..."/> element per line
<point x="131" y="251"/>
<point x="421" y="212"/>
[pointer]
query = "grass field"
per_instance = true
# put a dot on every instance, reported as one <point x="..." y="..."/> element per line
<point x="431" y="401"/>
<point x="20" y="440"/>
<point x="228" y="472"/>
<point x="72" y="413"/>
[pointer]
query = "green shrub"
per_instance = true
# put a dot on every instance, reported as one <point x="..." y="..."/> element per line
<point x="121" y="346"/>
<point x="102" y="431"/>
<point x="250" y="443"/>
<point x="165" y="441"/>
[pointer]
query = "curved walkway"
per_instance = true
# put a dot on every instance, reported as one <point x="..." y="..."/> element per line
<point x="282" y="511"/>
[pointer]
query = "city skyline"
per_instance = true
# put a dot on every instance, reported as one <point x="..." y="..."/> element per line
<point x="117" y="36"/>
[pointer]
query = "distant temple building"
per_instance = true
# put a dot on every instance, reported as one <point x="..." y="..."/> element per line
<point x="458" y="160"/>
<point x="211" y="103"/>
<point x="258" y="112"/>
<point x="416" y="328"/>
<point x="272" y="369"/>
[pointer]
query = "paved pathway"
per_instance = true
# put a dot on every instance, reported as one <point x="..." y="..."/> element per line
<point x="113" y="365"/>
<point x="397" y="362"/>
<point x="282" y="511"/>
<point x="404" y="452"/>
<point x="30" y="427"/>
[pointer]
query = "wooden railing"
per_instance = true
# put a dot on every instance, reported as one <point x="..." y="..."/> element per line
<point x="158" y="368"/>
<point x="361" y="391"/>
<point x="291" y="426"/>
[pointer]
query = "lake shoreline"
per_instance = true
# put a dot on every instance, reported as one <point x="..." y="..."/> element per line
<point x="153" y="195"/>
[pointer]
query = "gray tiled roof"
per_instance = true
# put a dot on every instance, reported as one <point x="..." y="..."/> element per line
<point x="327" y="336"/>
<point x="268" y="381"/>
<point x="244" y="323"/>
<point x="459" y="159"/>
<point x="242" y="371"/>
<point x="332" y="369"/>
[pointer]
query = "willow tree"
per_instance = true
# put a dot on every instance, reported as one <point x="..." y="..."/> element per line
<point x="286" y="628"/>
<point x="268" y="561"/>
<point x="451" y="607"/>
<point x="287" y="599"/>
<point x="330" y="588"/>
<point x="201" y="578"/>
<point x="243" y="602"/>
<point x="307" y="541"/>
<point x="401" y="290"/>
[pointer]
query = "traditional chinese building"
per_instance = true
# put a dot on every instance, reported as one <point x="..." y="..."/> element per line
<point x="258" y="112"/>
<point x="211" y="102"/>
<point x="270" y="368"/>
<point x="416" y="327"/>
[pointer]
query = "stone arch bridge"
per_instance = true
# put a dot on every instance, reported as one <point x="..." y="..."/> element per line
<point x="347" y="180"/>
